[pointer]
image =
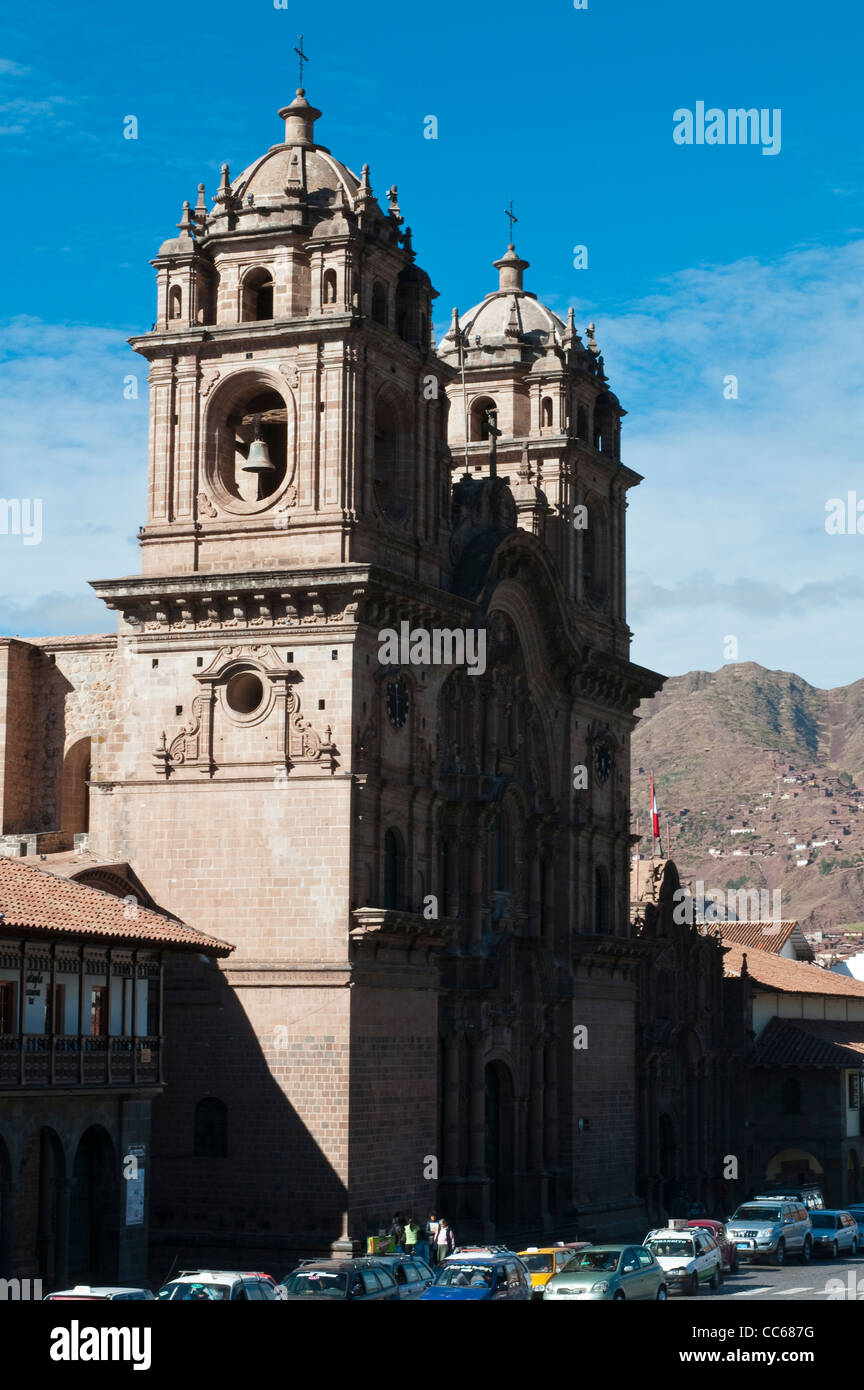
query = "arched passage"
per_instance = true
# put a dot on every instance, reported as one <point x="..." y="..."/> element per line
<point x="95" y="1210"/>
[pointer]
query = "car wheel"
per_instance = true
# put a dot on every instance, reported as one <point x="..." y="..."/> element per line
<point x="733" y="1266"/>
<point x="835" y="1249"/>
<point x="853" y="1249"/>
<point x="618" y="1297"/>
<point x="716" y="1276"/>
<point x="661" y="1294"/>
<point x="691" y="1288"/>
<point x="806" y="1251"/>
<point x="780" y="1257"/>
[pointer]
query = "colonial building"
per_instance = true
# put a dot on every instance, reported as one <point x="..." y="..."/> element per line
<point x="81" y="1062"/>
<point x="424" y="863"/>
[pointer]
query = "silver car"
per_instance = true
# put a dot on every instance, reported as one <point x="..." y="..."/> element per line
<point x="764" y="1229"/>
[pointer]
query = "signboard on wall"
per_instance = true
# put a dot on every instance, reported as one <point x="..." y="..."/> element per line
<point x="133" y="1174"/>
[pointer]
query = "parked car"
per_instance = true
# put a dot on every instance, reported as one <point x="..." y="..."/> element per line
<point x="412" y="1274"/>
<point x="687" y="1257"/>
<point x="218" y="1285"/>
<point x="856" y="1209"/>
<point x="718" y="1231"/>
<point x="357" y="1280"/>
<point x="809" y="1193"/>
<point x="766" y="1229"/>
<point x="98" y="1292"/>
<point x="834" y="1231"/>
<point x="610" y="1272"/>
<point x="542" y="1261"/>
<point x="477" y="1278"/>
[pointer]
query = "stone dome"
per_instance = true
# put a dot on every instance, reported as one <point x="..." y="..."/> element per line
<point x="509" y="315"/>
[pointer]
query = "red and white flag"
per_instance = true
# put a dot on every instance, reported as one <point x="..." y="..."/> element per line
<point x="655" y="818"/>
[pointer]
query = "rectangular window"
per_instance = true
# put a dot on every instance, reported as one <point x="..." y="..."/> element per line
<point x="8" y="1012"/>
<point x="853" y="1080"/>
<point x="98" y="1011"/>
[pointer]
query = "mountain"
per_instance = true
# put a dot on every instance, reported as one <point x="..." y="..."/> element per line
<point x="759" y="778"/>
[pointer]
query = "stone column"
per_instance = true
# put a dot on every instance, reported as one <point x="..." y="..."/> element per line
<point x="452" y="1077"/>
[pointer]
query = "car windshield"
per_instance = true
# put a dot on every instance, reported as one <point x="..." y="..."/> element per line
<point x="757" y="1214"/>
<point x="206" y="1292"/>
<point x="326" y="1283"/>
<point x="537" y="1264"/>
<point x="671" y="1247"/>
<point x="824" y="1220"/>
<point x="606" y="1260"/>
<point x="463" y="1276"/>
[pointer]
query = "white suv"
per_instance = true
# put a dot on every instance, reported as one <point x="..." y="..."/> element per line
<point x="687" y="1256"/>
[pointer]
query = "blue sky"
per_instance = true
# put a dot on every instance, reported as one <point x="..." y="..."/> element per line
<point x="702" y="262"/>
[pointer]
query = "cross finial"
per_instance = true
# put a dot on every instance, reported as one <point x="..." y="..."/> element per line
<point x="298" y="49"/>
<point x="512" y="216"/>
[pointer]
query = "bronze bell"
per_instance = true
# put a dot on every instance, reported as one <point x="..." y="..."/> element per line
<point x="258" y="459"/>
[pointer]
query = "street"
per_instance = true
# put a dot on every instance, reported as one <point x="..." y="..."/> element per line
<point x="793" y="1281"/>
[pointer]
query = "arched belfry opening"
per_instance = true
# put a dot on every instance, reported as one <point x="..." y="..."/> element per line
<point x="392" y="480"/>
<point x="257" y="300"/>
<point x="252" y="442"/>
<point x="483" y="414"/>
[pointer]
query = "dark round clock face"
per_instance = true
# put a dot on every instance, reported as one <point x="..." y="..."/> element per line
<point x="397" y="702"/>
<point x="603" y="762"/>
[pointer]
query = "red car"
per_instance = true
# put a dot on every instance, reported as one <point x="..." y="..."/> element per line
<point x="718" y="1231"/>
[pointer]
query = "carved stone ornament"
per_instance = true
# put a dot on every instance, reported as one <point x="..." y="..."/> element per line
<point x="205" y="506"/>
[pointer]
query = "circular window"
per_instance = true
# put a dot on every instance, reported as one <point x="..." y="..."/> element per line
<point x="244" y="692"/>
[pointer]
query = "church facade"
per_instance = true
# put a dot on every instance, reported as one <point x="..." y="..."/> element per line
<point x="423" y="864"/>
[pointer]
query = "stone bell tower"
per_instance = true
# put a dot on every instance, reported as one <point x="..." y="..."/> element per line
<point x="296" y="417"/>
<point x="299" y="493"/>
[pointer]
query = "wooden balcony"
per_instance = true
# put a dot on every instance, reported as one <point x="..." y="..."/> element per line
<point x="39" y="1061"/>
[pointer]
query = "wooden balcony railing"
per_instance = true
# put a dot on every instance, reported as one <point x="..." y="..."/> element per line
<point x="36" y="1059"/>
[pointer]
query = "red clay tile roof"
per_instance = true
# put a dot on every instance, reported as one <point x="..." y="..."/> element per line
<point x="38" y="901"/>
<point x="765" y="936"/>
<point x="788" y="976"/>
<point x="810" y="1043"/>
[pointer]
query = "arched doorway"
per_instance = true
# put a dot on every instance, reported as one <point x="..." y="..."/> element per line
<point x="95" y="1210"/>
<point x="499" y="1141"/>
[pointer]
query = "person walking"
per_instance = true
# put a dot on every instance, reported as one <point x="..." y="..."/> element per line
<point x="412" y="1232"/>
<point x="432" y="1235"/>
<point x="445" y="1241"/>
<point x="397" y="1234"/>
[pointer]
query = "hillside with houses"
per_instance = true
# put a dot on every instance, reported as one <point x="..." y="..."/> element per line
<point x="760" y="785"/>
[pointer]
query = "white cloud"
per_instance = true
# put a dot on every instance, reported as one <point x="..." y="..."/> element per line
<point x="730" y="519"/>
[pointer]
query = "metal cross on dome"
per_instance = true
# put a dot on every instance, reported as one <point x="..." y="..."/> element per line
<point x="298" y="49"/>
<point x="512" y="216"/>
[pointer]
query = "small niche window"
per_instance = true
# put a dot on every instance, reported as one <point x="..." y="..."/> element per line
<point x="546" y="412"/>
<point x="244" y="692"/>
<point x="581" y="422"/>
<point x="379" y="302"/>
<point x="210" y="1129"/>
<point x="328" y="289"/>
<point x="175" y="302"/>
<point x="257" y="295"/>
<point x="791" y="1096"/>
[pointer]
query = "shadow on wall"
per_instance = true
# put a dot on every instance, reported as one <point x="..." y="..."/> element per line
<point x="238" y="1181"/>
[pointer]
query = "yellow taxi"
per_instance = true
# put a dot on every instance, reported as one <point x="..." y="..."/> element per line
<point x="542" y="1261"/>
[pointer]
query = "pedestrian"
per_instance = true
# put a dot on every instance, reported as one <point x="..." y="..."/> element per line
<point x="431" y="1229"/>
<point x="397" y="1234"/>
<point x="412" y="1231"/>
<point x="445" y="1241"/>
